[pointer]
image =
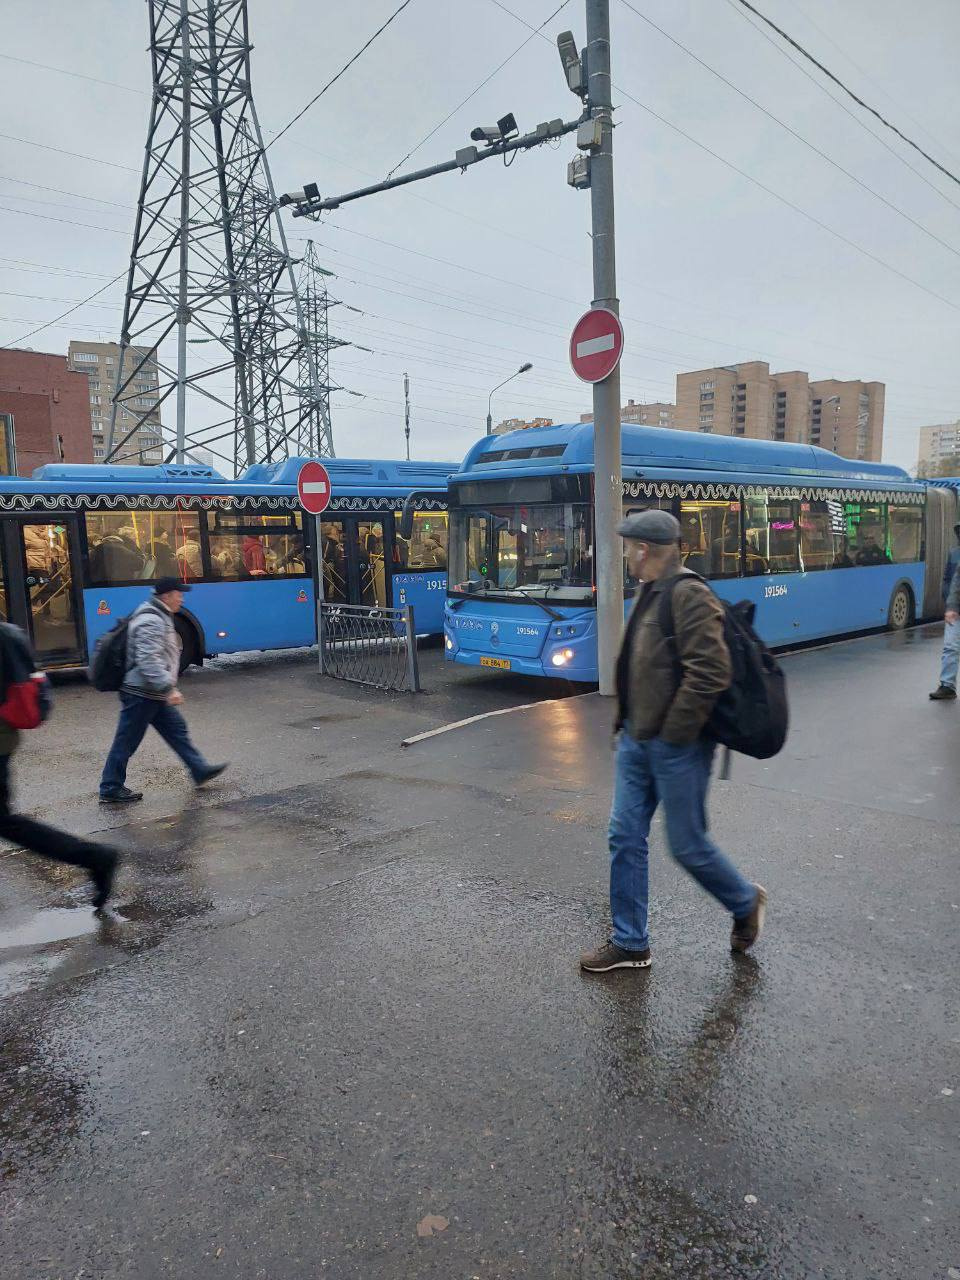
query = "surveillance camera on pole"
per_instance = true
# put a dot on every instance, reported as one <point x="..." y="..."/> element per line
<point x="491" y="134"/>
<point x="573" y="67"/>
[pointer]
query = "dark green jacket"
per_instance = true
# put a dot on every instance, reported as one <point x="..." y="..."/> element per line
<point x="668" y="690"/>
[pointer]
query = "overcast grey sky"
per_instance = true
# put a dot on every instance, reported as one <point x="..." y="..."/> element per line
<point x="463" y="277"/>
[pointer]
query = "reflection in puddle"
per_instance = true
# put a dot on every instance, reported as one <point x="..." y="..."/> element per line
<point x="53" y="925"/>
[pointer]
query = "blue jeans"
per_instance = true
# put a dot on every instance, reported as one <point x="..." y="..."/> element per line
<point x="950" y="660"/>
<point x="136" y="716"/>
<point x="657" y="772"/>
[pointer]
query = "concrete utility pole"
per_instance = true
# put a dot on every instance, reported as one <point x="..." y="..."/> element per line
<point x="608" y="487"/>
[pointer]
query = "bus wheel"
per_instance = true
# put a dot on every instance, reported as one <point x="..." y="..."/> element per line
<point x="189" y="643"/>
<point x="900" y="613"/>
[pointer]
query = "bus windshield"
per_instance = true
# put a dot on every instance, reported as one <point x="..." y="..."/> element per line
<point x="539" y="550"/>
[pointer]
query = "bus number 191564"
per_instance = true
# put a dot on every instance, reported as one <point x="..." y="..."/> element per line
<point x="775" y="589"/>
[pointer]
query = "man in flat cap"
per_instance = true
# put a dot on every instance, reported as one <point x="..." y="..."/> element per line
<point x="666" y="691"/>
<point x="149" y="695"/>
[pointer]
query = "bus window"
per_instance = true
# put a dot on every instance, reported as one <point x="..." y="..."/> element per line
<point x="771" y="542"/>
<point x="250" y="544"/>
<point x="334" y="561"/>
<point x="823" y="543"/>
<point x="906" y="534"/>
<point x="710" y="538"/>
<point x="427" y="548"/>
<point x="137" y="546"/>
<point x="866" y="533"/>
<point x="373" y="582"/>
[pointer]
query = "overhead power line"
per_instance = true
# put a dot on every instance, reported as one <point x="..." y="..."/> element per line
<point x="77" y="75"/>
<point x="76" y="307"/>
<point x="76" y="155"/>
<point x="855" y="116"/>
<point x="789" y="129"/>
<point x="346" y="67"/>
<point x="804" y="213"/>
<point x="795" y="44"/>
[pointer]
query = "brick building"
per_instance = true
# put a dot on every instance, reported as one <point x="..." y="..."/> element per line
<point x="45" y="409"/>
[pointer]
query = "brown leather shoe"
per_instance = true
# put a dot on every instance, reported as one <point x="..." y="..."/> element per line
<point x="609" y="956"/>
<point x="747" y="930"/>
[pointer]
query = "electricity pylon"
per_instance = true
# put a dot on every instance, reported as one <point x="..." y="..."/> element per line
<point x="210" y="272"/>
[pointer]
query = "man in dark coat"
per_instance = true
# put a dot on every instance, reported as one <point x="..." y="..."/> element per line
<point x="99" y="860"/>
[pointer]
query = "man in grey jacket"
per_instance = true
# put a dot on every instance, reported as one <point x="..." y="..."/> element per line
<point x="149" y="695"/>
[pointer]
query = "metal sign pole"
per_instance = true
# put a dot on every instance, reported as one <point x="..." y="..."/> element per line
<point x="319" y="554"/>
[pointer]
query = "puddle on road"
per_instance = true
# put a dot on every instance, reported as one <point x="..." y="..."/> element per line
<point x="52" y="925"/>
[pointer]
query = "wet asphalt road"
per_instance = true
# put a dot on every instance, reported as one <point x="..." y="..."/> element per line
<point x="339" y="995"/>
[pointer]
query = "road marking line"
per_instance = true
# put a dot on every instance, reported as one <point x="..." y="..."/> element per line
<point x="592" y="346"/>
<point x="487" y="715"/>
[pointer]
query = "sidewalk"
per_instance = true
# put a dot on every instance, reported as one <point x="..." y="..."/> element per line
<point x="331" y="1010"/>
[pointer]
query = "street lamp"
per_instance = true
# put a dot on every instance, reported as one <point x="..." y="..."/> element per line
<point x="524" y="368"/>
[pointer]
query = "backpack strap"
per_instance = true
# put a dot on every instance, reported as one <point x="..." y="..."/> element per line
<point x="665" y="612"/>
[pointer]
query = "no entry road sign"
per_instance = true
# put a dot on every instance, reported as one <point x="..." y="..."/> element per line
<point x="313" y="486"/>
<point x="596" y="344"/>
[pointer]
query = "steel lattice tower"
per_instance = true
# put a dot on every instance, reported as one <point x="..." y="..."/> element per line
<point x="314" y="371"/>
<point x="210" y="268"/>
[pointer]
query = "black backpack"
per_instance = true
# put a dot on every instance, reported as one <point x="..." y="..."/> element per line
<point x="751" y="716"/>
<point x="108" y="666"/>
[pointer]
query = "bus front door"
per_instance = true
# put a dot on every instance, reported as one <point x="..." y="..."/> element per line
<point x="48" y="551"/>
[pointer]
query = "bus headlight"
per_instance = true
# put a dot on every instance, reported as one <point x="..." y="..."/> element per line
<point x="562" y="657"/>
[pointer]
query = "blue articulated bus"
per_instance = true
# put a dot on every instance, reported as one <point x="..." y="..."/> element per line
<point x="823" y="546"/>
<point x="79" y="546"/>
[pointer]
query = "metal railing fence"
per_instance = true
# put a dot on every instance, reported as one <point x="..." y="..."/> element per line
<point x="369" y="645"/>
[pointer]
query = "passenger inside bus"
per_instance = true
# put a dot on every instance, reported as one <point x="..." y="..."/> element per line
<point x="189" y="557"/>
<point x="116" y="557"/>
<point x="254" y="560"/>
<point x="870" y="551"/>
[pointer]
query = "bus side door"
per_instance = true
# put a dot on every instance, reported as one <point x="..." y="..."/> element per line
<point x="42" y="559"/>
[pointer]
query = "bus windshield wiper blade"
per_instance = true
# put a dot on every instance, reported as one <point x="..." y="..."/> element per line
<point x="515" y="591"/>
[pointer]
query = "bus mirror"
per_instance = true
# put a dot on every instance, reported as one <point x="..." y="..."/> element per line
<point x="405" y="529"/>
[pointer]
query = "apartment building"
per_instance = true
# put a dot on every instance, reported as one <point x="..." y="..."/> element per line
<point x="748" y="400"/>
<point x="98" y="360"/>
<point x="937" y="446"/>
<point x="519" y="424"/>
<point x="658" y="413"/>
<point x="44" y="412"/>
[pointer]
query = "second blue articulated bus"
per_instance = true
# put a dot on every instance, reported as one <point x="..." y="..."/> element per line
<point x="80" y="545"/>
<point x="823" y="546"/>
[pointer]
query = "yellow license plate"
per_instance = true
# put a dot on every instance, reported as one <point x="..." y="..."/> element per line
<point x="502" y="664"/>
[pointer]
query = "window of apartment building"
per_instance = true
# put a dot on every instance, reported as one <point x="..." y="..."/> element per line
<point x="706" y="395"/>
<point x="85" y="357"/>
<point x="94" y="399"/>
<point x="98" y="453"/>
<point x="707" y="386"/>
<point x="741" y="386"/>
<point x="94" y="384"/>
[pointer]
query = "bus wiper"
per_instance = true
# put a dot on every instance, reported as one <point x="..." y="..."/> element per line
<point x="515" y="591"/>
